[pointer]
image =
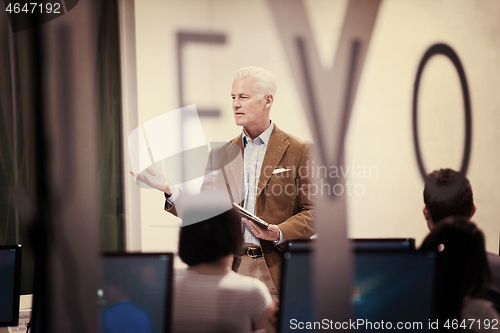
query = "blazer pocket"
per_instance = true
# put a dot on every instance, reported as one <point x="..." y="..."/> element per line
<point x="281" y="190"/>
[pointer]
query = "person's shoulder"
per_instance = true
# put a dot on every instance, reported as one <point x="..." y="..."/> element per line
<point x="224" y="146"/>
<point x="186" y="274"/>
<point x="181" y="273"/>
<point x="299" y="148"/>
<point x="223" y="152"/>
<point x="233" y="276"/>
<point x="291" y="139"/>
<point x="493" y="259"/>
<point x="494" y="264"/>
<point x="476" y="302"/>
<point x="477" y="308"/>
<point x="236" y="139"/>
<point x="246" y="282"/>
<point x="251" y="289"/>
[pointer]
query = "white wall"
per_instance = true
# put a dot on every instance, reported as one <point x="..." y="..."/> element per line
<point x="380" y="130"/>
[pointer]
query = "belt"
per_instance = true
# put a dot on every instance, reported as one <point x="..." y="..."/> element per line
<point x="253" y="251"/>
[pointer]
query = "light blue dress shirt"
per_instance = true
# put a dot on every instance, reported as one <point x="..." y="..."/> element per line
<point x="253" y="156"/>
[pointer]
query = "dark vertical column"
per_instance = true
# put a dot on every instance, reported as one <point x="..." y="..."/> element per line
<point x="15" y="142"/>
<point x="41" y="289"/>
<point x="66" y="230"/>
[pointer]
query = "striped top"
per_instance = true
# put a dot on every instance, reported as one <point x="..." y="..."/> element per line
<point x="217" y="303"/>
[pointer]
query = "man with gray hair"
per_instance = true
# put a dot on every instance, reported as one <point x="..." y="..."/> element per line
<point x="273" y="176"/>
<point x="276" y="179"/>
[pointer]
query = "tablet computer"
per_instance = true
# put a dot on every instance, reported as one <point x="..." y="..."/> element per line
<point x="246" y="214"/>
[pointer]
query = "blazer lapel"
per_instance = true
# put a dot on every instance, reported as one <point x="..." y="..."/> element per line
<point x="236" y="166"/>
<point x="275" y="150"/>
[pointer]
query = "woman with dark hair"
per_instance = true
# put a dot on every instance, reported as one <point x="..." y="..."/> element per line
<point x="208" y="295"/>
<point x="464" y="276"/>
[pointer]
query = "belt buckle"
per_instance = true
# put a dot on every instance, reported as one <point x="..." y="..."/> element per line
<point x="251" y="252"/>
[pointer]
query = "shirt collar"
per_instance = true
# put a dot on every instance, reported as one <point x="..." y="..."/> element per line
<point x="263" y="137"/>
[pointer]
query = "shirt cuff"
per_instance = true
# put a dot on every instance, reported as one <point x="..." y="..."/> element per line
<point x="171" y="198"/>
<point x="279" y="241"/>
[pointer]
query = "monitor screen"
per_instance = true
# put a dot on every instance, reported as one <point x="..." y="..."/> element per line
<point x="396" y="288"/>
<point x="136" y="292"/>
<point x="296" y="294"/>
<point x="10" y="285"/>
<point x="384" y="244"/>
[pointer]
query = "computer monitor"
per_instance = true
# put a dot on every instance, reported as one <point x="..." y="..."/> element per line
<point x="136" y="291"/>
<point x="390" y="285"/>
<point x="394" y="287"/>
<point x="10" y="285"/>
<point x="296" y="294"/>
<point x="384" y="244"/>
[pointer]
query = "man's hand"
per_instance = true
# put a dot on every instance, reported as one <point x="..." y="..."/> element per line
<point x="271" y="234"/>
<point x="154" y="180"/>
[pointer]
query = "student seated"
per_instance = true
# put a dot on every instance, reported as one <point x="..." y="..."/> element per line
<point x="208" y="295"/>
<point x="448" y="192"/>
<point x="466" y="275"/>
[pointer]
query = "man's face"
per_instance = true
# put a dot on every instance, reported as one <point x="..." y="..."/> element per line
<point x="250" y="110"/>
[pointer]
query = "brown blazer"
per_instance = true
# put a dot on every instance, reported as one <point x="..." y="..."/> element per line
<point x="283" y="198"/>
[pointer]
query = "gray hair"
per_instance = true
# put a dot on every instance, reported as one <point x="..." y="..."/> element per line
<point x="264" y="83"/>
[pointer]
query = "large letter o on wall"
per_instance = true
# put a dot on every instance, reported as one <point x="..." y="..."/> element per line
<point x="450" y="54"/>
